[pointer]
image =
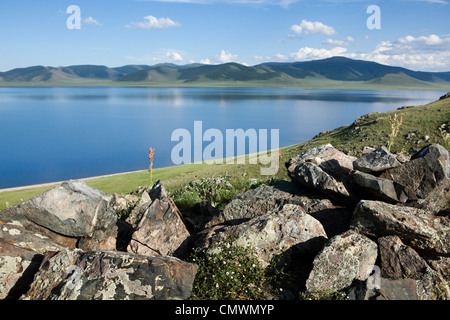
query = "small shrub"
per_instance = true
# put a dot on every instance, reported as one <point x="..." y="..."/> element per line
<point x="218" y="191"/>
<point x="230" y="272"/>
<point x="395" y="128"/>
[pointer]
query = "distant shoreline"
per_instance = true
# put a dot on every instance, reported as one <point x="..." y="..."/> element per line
<point x="59" y="182"/>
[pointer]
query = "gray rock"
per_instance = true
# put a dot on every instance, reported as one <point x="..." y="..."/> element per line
<point x="69" y="213"/>
<point x="160" y="231"/>
<point x="386" y="190"/>
<point x="417" y="229"/>
<point x="425" y="171"/>
<point x="17" y="268"/>
<point x="111" y="275"/>
<point x="328" y="158"/>
<point x="265" y="198"/>
<point x="19" y="237"/>
<point x="345" y="258"/>
<point x="378" y="160"/>
<point x="271" y="234"/>
<point x="311" y="176"/>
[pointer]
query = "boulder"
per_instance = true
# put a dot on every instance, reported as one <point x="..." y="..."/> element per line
<point x="334" y="218"/>
<point x="72" y="274"/>
<point x="425" y="171"/>
<point x="266" y="198"/>
<point x="328" y="158"/>
<point x="161" y="231"/>
<point x="346" y="257"/>
<point x="423" y="232"/>
<point x="376" y="161"/>
<point x="400" y="261"/>
<point x="271" y="234"/>
<point x="70" y="213"/>
<point x="372" y="187"/>
<point x="311" y="176"/>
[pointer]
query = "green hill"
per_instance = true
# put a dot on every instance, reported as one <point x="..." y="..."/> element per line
<point x="332" y="73"/>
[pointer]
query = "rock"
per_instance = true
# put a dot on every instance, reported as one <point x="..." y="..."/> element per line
<point x="21" y="238"/>
<point x="399" y="261"/>
<point x="437" y="201"/>
<point x="421" y="231"/>
<point x="311" y="176"/>
<point x="334" y="218"/>
<point x="17" y="268"/>
<point x="111" y="275"/>
<point x="261" y="200"/>
<point x="70" y="213"/>
<point x="440" y="265"/>
<point x="346" y="257"/>
<point x="400" y="289"/>
<point x="161" y="231"/>
<point x="445" y="96"/>
<point x="371" y="187"/>
<point x="378" y="160"/>
<point x="424" y="172"/>
<point x="328" y="158"/>
<point x="139" y="210"/>
<point x="271" y="234"/>
<point x="402" y="158"/>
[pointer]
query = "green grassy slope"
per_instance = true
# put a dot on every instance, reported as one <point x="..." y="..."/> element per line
<point x="421" y="126"/>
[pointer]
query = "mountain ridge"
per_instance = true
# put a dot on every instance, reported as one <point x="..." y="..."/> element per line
<point x="334" y="69"/>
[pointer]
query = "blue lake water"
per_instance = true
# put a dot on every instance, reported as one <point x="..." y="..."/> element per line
<point x="58" y="133"/>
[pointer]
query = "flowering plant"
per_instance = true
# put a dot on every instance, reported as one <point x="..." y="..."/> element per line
<point x="150" y="168"/>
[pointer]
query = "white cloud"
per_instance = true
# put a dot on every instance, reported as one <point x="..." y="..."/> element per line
<point x="281" y="57"/>
<point x="425" y="53"/>
<point x="431" y="40"/>
<point x="226" y="56"/>
<point x="91" y="20"/>
<point x="307" y="53"/>
<point x="174" y="56"/>
<point x="205" y="61"/>
<point x="153" y="22"/>
<point x="339" y="43"/>
<point x="309" y="27"/>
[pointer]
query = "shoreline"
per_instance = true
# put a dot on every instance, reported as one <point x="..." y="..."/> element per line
<point x="59" y="182"/>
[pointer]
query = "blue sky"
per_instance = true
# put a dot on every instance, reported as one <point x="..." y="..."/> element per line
<point x="414" y="33"/>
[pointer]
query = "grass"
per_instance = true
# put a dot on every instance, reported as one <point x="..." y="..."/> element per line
<point x="432" y="120"/>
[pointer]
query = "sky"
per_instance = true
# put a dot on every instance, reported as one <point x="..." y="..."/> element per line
<point x="409" y="33"/>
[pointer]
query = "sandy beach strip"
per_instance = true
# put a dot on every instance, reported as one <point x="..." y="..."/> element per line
<point x="59" y="182"/>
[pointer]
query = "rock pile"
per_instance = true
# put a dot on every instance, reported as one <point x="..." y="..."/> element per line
<point x="67" y="243"/>
<point x="374" y="227"/>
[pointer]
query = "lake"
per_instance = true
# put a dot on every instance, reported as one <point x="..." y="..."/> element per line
<point x="58" y="133"/>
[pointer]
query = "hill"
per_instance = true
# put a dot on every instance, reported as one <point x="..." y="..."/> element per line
<point x="335" y="72"/>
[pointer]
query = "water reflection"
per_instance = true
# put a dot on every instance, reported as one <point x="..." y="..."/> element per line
<point x="49" y="134"/>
